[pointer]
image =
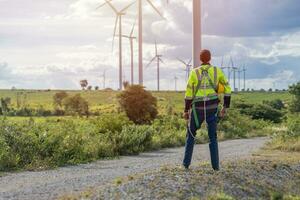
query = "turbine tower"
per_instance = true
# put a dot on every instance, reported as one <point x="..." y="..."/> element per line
<point x="158" y="59"/>
<point x="196" y="32"/>
<point x="188" y="67"/>
<point x="103" y="76"/>
<point x="233" y="69"/>
<point x="140" y="36"/>
<point x="119" y="15"/>
<point x="130" y="37"/>
<point x="244" y="71"/>
<point x="175" y="79"/>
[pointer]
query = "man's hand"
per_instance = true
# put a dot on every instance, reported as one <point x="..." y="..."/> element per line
<point x="223" y="112"/>
<point x="186" y="116"/>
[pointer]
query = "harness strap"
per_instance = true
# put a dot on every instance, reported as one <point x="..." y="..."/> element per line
<point x="204" y="73"/>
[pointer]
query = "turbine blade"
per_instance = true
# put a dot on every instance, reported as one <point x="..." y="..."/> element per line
<point x="124" y="9"/>
<point x="161" y="61"/>
<point x="151" y="62"/>
<point x="115" y="29"/>
<point x="102" y="5"/>
<point x="181" y="61"/>
<point x="112" y="7"/>
<point x="152" y="5"/>
<point x="131" y="33"/>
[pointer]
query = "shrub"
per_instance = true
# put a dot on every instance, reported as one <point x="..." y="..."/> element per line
<point x="134" y="139"/>
<point x="236" y="125"/>
<point x="76" y="105"/>
<point x="295" y="104"/>
<point x="263" y="111"/>
<point x="276" y="103"/>
<point x="139" y="105"/>
<point x="294" y="125"/>
<point x="58" y="99"/>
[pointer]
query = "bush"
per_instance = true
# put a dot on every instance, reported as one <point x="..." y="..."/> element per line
<point x="134" y="139"/>
<point x="263" y="111"/>
<point x="58" y="99"/>
<point x="295" y="104"/>
<point x="76" y="105"/>
<point x="139" y="105"/>
<point x="294" y="125"/>
<point x="276" y="103"/>
<point x="236" y="125"/>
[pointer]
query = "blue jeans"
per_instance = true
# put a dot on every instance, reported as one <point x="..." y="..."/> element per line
<point x="211" y="119"/>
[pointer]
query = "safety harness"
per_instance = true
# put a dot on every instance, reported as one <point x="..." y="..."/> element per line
<point x="203" y="76"/>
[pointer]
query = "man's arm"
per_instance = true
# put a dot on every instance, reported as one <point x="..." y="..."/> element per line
<point x="190" y="89"/>
<point x="227" y="89"/>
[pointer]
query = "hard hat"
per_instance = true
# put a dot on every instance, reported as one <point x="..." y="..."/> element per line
<point x="221" y="88"/>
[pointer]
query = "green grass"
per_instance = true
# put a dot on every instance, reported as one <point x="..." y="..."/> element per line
<point x="106" y="100"/>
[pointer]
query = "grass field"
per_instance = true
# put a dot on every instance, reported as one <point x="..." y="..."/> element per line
<point x="106" y="100"/>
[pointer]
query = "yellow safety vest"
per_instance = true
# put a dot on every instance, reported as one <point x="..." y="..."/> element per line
<point x="207" y="86"/>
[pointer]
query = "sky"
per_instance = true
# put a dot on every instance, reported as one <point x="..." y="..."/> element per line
<point x="53" y="44"/>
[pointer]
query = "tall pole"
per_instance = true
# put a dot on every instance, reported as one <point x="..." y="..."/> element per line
<point x="120" y="53"/>
<point x="244" y="78"/>
<point x="175" y="78"/>
<point x="196" y="32"/>
<point x="140" y="38"/>
<point x="131" y="49"/>
<point x="104" y="77"/>
<point x="234" y="79"/>
<point x="158" y="73"/>
<point x="239" y="72"/>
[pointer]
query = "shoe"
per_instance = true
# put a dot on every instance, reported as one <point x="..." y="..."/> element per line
<point x="185" y="167"/>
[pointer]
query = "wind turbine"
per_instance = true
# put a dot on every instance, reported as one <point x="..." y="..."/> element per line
<point x="119" y="15"/>
<point x="140" y="35"/>
<point x="131" y="38"/>
<point x="103" y="76"/>
<point x="175" y="79"/>
<point x="188" y="67"/>
<point x="244" y="71"/>
<point x="239" y="76"/>
<point x="233" y="69"/>
<point x="158" y="59"/>
<point x="228" y="68"/>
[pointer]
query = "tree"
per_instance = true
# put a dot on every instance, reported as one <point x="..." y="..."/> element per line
<point x="96" y="87"/>
<point x="295" y="104"/>
<point x="4" y="103"/>
<point x="76" y="105"/>
<point x="58" y="99"/>
<point x="90" y="87"/>
<point x="84" y="84"/>
<point x="139" y="105"/>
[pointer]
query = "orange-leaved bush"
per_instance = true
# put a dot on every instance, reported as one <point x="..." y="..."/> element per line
<point x="139" y="105"/>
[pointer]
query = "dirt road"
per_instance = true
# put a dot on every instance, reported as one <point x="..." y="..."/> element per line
<point x="52" y="183"/>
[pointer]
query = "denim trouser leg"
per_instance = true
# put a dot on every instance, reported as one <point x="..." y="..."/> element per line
<point x="190" y="140"/>
<point x="213" y="142"/>
<point x="213" y="145"/>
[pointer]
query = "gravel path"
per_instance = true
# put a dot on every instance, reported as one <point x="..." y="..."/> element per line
<point x="52" y="183"/>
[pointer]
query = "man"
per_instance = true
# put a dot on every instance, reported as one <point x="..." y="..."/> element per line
<point x="201" y="105"/>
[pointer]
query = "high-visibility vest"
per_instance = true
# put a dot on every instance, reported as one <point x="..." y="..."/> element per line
<point x="213" y="84"/>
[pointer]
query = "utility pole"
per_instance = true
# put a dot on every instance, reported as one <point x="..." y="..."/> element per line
<point x="196" y="32"/>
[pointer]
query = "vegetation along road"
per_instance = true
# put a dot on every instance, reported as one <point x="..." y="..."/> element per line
<point x="54" y="183"/>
